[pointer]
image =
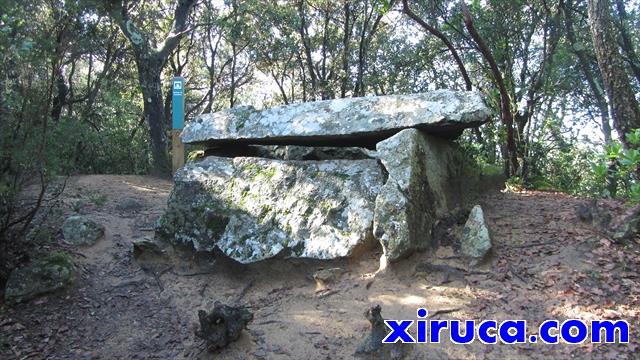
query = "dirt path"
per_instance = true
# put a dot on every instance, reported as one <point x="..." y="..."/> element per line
<point x="546" y="265"/>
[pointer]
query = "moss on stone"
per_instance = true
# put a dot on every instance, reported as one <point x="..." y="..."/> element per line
<point x="264" y="212"/>
<point x="47" y="273"/>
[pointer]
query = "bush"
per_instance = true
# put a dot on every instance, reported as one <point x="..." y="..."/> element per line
<point x="616" y="170"/>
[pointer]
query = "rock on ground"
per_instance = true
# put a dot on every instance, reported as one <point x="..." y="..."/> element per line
<point x="368" y="120"/>
<point x="325" y="277"/>
<point x="142" y="247"/>
<point x="625" y="227"/>
<point x="78" y="230"/>
<point x="130" y="204"/>
<point x="45" y="275"/>
<point x="476" y="237"/>
<point x="253" y="209"/>
<point x="222" y="325"/>
<point x="427" y="177"/>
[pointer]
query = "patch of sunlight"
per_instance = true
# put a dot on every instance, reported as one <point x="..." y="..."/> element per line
<point x="144" y="188"/>
<point x="573" y="311"/>
<point x="409" y="300"/>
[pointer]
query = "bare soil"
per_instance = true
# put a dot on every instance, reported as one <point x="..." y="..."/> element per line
<point x="546" y="264"/>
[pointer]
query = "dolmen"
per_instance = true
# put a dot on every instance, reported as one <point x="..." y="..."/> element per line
<point x="325" y="179"/>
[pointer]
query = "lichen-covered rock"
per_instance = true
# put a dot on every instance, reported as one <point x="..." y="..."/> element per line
<point x="476" y="238"/>
<point x="325" y="277"/>
<point x="44" y="275"/>
<point x="252" y="208"/>
<point x="129" y="204"/>
<point x="427" y="177"/>
<point x="359" y="121"/>
<point x="78" y="230"/>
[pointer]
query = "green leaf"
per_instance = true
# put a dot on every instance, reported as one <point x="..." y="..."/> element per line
<point x="600" y="170"/>
<point x="614" y="150"/>
<point x="630" y="158"/>
<point x="382" y="6"/>
<point x="634" y="192"/>
<point x="634" y="137"/>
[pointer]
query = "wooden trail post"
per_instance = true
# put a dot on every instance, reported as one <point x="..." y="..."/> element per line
<point x="177" y="122"/>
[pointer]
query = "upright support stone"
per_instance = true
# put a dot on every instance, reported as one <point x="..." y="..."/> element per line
<point x="427" y="176"/>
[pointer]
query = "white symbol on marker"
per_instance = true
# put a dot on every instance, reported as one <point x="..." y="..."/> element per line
<point x="177" y="85"/>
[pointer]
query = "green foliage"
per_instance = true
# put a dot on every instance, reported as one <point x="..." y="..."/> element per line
<point x="41" y="235"/>
<point x="60" y="112"/>
<point x="577" y="170"/>
<point x="98" y="199"/>
<point x="616" y="170"/>
<point x="514" y="183"/>
<point x="565" y="169"/>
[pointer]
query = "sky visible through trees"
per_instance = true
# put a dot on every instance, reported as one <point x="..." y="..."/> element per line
<point x="101" y="71"/>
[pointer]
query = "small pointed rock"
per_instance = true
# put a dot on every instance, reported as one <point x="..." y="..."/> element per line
<point x="476" y="237"/>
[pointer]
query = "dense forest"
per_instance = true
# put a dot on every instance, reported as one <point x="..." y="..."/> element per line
<point x="84" y="84"/>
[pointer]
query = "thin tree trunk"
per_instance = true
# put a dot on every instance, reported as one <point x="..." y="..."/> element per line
<point x="307" y="48"/>
<point x="627" y="43"/>
<point x="365" y="40"/>
<point x="346" y="49"/>
<point x="150" y="62"/>
<point x="505" y="102"/>
<point x="437" y="33"/>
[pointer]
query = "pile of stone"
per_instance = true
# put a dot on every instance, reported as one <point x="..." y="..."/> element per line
<point x="326" y="179"/>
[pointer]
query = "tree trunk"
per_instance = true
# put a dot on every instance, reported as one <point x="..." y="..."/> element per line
<point x="149" y="76"/>
<point x="437" y="33"/>
<point x="625" y="111"/>
<point x="346" y="50"/>
<point x="594" y="83"/>
<point x="627" y="43"/>
<point x="306" y="43"/>
<point x="505" y="102"/>
<point x="150" y="61"/>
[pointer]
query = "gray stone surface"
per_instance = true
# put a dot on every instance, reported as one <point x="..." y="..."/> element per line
<point x="129" y="204"/>
<point x="253" y="208"/>
<point x="427" y="177"/>
<point x="78" y="230"/>
<point x="325" y="277"/>
<point x="45" y="275"/>
<point x="145" y="246"/>
<point x="348" y="122"/>
<point x="476" y="237"/>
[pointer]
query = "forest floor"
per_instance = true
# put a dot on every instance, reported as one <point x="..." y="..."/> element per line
<point x="546" y="264"/>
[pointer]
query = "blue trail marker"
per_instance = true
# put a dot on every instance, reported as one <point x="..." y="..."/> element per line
<point x="177" y="89"/>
